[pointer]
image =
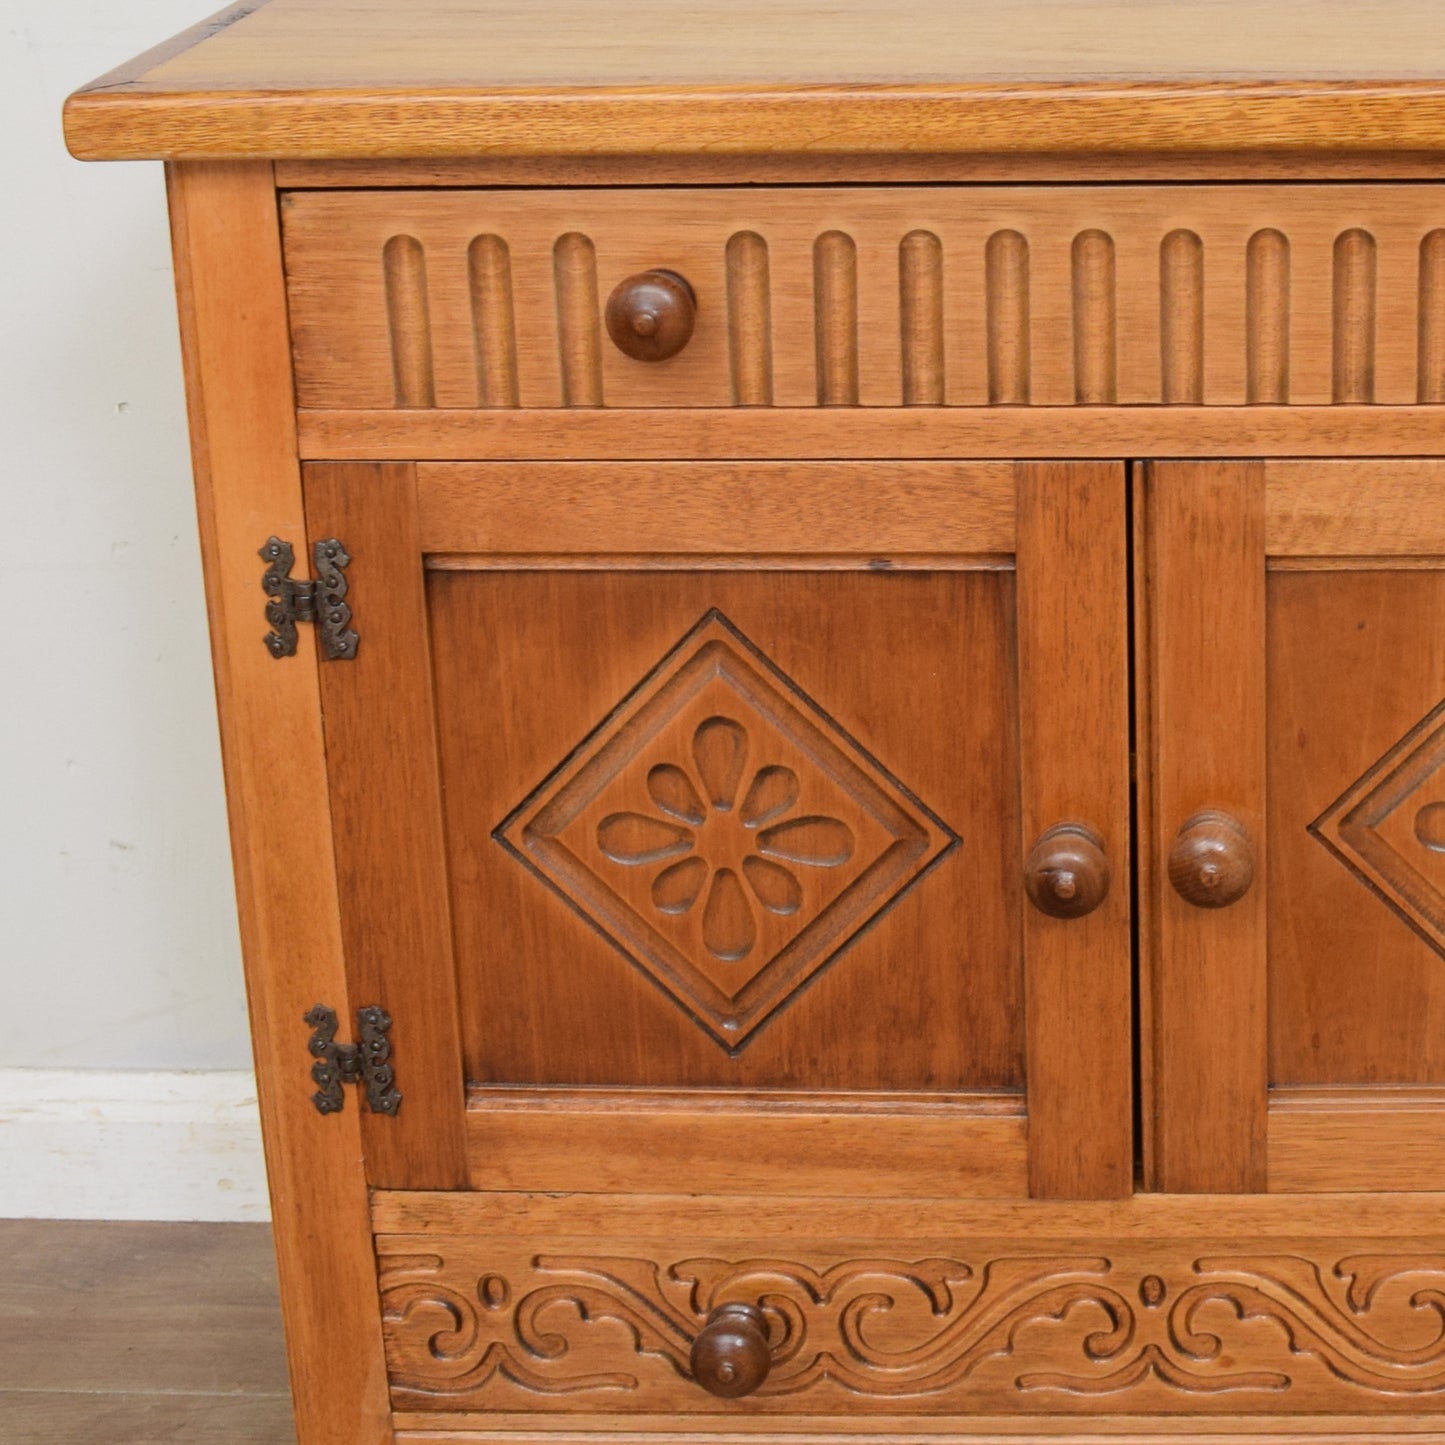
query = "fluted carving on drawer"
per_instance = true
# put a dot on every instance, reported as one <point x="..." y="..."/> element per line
<point x="1181" y="318"/>
<point x="1326" y="1326"/>
<point x="957" y="296"/>
<point x="750" y="321"/>
<point x="1095" y="348"/>
<point x="1432" y="316"/>
<point x="920" y="306"/>
<point x="1354" y="316"/>
<point x="835" y="304"/>
<point x="489" y="273"/>
<point x="1267" y="318"/>
<point x="408" y="321"/>
<point x="579" y="324"/>
<point x="1006" y="292"/>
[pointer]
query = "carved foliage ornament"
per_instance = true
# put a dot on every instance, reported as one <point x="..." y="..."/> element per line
<point x="1057" y="1332"/>
<point x="724" y="832"/>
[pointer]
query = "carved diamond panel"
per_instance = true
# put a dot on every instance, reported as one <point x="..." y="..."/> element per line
<point x="724" y="832"/>
<point x="1389" y="829"/>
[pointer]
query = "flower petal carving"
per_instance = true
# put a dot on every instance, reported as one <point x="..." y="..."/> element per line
<point x="816" y="841"/>
<point x="728" y="929"/>
<point x="773" y="886"/>
<point x="636" y="840"/>
<point x="681" y="825"/>
<point x="677" y="887"/>
<point x="720" y="750"/>
<point x="773" y="791"/>
<point x="672" y="790"/>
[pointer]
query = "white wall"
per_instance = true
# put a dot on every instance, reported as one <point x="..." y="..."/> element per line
<point x="118" y="946"/>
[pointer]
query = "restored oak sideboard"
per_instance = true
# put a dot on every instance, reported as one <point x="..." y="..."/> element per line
<point x="830" y="633"/>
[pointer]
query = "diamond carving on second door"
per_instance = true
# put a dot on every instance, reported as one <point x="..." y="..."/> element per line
<point x="1389" y="828"/>
<point x="724" y="832"/>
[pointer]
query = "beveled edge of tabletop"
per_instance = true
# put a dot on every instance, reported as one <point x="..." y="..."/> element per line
<point x="123" y="123"/>
<point x="172" y="103"/>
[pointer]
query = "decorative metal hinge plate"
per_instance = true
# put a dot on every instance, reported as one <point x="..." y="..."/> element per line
<point x="366" y="1062"/>
<point x="322" y="601"/>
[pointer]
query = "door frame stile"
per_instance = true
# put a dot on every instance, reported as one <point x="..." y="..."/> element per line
<point x="1205" y="544"/>
<point x="384" y="772"/>
<point x="1073" y="698"/>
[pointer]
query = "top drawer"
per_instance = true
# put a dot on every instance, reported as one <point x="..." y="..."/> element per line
<point x="874" y="296"/>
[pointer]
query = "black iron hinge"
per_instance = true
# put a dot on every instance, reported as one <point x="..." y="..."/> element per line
<point x="367" y="1062"/>
<point x="322" y="601"/>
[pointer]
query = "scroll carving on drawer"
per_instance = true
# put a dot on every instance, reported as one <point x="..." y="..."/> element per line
<point x="872" y="296"/>
<point x="1129" y="1327"/>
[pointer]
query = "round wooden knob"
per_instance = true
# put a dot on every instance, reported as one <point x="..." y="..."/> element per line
<point x="1211" y="864"/>
<point x="1067" y="874"/>
<point x="650" y="316"/>
<point x="731" y="1355"/>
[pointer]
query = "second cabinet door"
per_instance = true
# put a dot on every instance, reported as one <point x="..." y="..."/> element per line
<point x="1292" y="691"/>
<point x="689" y="816"/>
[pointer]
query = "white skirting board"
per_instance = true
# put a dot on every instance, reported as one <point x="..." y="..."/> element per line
<point x="92" y="1144"/>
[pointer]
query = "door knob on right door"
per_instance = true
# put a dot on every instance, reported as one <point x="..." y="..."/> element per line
<point x="1211" y="863"/>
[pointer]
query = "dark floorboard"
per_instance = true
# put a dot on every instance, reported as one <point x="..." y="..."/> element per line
<point x="140" y="1334"/>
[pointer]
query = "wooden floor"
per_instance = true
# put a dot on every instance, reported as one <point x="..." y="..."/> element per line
<point x="140" y="1334"/>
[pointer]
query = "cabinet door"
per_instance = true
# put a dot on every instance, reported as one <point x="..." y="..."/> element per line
<point x="683" y="815"/>
<point x="1293" y="687"/>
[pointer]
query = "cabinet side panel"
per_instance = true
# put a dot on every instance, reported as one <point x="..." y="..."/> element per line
<point x="238" y="378"/>
<point x="1073" y="669"/>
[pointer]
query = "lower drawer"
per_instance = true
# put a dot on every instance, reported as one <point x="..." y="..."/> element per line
<point x="503" y="1310"/>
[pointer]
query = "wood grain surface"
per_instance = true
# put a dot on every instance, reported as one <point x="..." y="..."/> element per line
<point x="1355" y="679"/>
<point x="975" y="1328"/>
<point x="1050" y="296"/>
<point x="724" y="514"/>
<point x="248" y="486"/>
<point x="370" y="77"/>
<point x="1204" y="578"/>
<point x="382" y="773"/>
<point x="1323" y="1139"/>
<point x="1073" y="670"/>
<point x="440" y="1428"/>
<point x="1341" y="508"/>
<point x="708" y="1219"/>
<point x="782" y="168"/>
<point x="802" y="1143"/>
<point x="851" y="433"/>
<point x="1151" y="1306"/>
<point x="605" y="997"/>
<point x="1357" y="674"/>
<point x="132" y="1331"/>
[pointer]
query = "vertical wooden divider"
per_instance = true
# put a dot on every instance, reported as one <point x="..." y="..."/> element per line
<point x="237" y="357"/>
<point x="1073" y="662"/>
<point x="1205" y="562"/>
<point x="381" y="757"/>
<point x="1145" y="879"/>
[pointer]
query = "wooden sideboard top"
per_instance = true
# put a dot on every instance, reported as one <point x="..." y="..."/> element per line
<point x="417" y="79"/>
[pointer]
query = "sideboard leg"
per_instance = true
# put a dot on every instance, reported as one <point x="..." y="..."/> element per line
<point x="248" y="487"/>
